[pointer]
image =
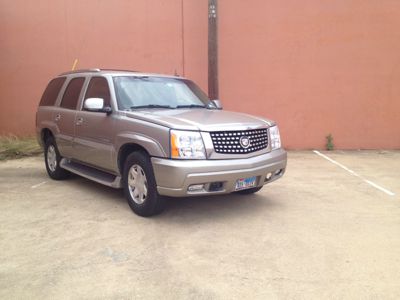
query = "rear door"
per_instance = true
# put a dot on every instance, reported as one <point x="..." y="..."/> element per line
<point x="64" y="116"/>
<point x="45" y="112"/>
<point x="94" y="133"/>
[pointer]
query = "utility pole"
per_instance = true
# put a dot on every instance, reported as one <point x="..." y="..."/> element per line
<point x="213" y="92"/>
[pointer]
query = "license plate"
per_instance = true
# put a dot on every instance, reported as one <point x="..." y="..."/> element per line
<point x="245" y="183"/>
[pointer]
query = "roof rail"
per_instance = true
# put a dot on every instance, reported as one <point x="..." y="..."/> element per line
<point x="120" y="70"/>
<point x="81" y="71"/>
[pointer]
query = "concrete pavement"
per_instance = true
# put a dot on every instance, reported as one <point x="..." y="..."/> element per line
<point x="317" y="233"/>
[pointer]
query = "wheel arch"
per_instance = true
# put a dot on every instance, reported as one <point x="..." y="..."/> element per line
<point x="45" y="133"/>
<point x="124" y="152"/>
<point x="130" y="142"/>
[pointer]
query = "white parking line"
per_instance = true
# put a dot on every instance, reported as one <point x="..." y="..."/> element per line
<point x="355" y="174"/>
<point x="37" y="185"/>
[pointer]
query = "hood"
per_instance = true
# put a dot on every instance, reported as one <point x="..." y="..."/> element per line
<point x="200" y="119"/>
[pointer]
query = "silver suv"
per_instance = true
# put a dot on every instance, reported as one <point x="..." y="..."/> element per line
<point x="154" y="136"/>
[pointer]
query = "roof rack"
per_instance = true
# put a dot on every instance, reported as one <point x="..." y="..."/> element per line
<point x="81" y="71"/>
<point x="95" y="71"/>
<point x="120" y="70"/>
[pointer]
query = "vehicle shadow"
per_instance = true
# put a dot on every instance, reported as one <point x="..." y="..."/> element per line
<point x="188" y="209"/>
<point x="219" y="206"/>
<point x="98" y="190"/>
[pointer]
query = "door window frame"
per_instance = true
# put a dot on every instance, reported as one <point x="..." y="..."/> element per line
<point x="86" y="87"/>
<point x="64" y="89"/>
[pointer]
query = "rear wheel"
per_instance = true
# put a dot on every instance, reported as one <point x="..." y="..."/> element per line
<point x="140" y="186"/>
<point x="52" y="160"/>
<point x="249" y="191"/>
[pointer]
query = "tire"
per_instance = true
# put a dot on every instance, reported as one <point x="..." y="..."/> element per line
<point x="249" y="191"/>
<point x="52" y="160"/>
<point x="140" y="186"/>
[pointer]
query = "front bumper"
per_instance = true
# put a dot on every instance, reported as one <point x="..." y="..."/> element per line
<point x="173" y="177"/>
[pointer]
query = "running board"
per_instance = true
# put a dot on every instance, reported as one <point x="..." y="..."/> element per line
<point x="91" y="173"/>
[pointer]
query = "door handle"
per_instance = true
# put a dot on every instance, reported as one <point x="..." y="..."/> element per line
<point x="57" y="118"/>
<point x="79" y="121"/>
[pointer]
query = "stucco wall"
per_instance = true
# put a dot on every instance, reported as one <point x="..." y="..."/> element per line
<point x="315" y="67"/>
<point x="42" y="38"/>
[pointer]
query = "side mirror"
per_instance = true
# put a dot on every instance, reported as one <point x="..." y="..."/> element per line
<point x="96" y="105"/>
<point x="217" y="103"/>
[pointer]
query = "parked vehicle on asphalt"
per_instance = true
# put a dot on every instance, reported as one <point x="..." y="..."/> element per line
<point x="154" y="136"/>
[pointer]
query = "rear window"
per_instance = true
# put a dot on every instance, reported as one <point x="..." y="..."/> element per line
<point x="51" y="93"/>
<point x="72" y="92"/>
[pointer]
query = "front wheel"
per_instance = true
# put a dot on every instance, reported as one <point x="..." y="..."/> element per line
<point x="140" y="186"/>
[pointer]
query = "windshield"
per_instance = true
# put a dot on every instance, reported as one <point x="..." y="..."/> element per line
<point x="158" y="92"/>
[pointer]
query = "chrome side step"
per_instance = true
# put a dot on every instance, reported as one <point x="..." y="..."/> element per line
<point x="92" y="173"/>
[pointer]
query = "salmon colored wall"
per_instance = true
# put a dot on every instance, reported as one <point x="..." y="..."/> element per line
<point x="40" y="39"/>
<point x="316" y="67"/>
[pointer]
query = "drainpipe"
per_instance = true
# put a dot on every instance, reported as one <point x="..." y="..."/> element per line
<point x="213" y="92"/>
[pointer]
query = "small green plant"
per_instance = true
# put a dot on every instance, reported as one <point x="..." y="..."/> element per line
<point x="329" y="142"/>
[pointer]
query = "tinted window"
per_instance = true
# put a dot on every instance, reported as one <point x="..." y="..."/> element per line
<point x="51" y="93"/>
<point x="135" y="91"/>
<point x="71" y="95"/>
<point x="98" y="88"/>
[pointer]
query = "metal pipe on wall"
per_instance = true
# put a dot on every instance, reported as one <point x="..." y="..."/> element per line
<point x="213" y="91"/>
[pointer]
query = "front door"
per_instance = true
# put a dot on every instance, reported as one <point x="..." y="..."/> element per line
<point x="93" y="143"/>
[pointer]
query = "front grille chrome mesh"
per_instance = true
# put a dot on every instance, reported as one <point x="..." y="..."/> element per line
<point x="239" y="142"/>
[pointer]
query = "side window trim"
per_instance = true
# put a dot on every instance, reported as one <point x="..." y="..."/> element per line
<point x="64" y="88"/>
<point x="60" y="91"/>
<point x="110" y="90"/>
<point x="83" y="93"/>
<point x="113" y="100"/>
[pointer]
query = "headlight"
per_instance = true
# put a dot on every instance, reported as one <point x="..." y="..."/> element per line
<point x="275" y="137"/>
<point x="187" y="145"/>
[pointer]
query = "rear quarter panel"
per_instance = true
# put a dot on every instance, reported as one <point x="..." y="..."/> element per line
<point x="44" y="119"/>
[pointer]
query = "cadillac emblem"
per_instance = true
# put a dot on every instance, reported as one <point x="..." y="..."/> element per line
<point x="244" y="142"/>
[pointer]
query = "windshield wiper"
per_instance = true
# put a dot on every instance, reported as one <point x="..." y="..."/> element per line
<point x="151" y="106"/>
<point x="190" y="106"/>
<point x="167" y="106"/>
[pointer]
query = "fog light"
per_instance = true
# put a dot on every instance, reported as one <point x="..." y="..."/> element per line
<point x="277" y="172"/>
<point x="268" y="177"/>
<point x="216" y="186"/>
<point x="195" y="187"/>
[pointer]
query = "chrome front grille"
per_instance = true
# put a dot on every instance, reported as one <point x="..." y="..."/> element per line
<point x="234" y="142"/>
